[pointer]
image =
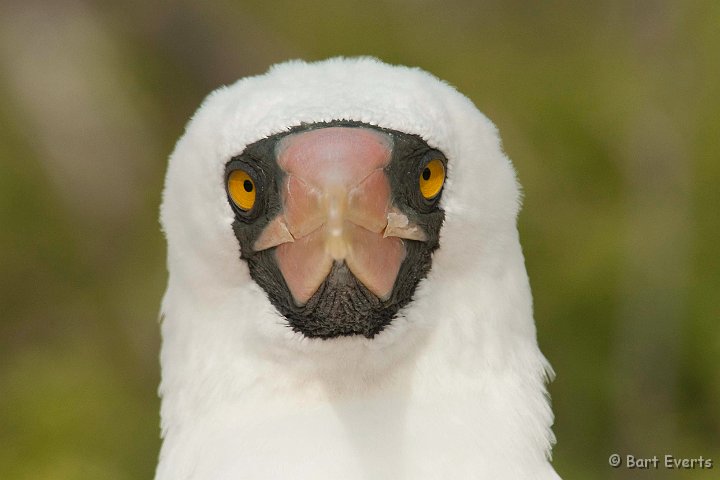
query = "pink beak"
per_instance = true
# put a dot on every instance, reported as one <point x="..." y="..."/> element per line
<point x="337" y="207"/>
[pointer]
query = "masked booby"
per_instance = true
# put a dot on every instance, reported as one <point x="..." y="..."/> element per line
<point x="347" y="296"/>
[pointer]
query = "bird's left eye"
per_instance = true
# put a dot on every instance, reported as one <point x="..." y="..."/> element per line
<point x="242" y="190"/>
<point x="432" y="178"/>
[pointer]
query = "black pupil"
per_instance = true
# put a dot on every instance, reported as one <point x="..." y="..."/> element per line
<point x="426" y="174"/>
<point x="248" y="186"/>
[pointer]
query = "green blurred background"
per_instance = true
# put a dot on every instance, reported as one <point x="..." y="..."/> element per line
<point x="610" y="111"/>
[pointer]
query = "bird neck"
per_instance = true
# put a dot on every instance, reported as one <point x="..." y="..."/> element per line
<point x="467" y="373"/>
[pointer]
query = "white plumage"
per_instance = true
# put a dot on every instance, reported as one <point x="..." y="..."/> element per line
<point x="453" y="388"/>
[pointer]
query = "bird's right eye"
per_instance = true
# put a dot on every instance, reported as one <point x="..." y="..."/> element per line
<point x="242" y="190"/>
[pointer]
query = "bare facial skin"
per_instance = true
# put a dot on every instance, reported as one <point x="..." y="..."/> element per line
<point x="336" y="207"/>
<point x="336" y="224"/>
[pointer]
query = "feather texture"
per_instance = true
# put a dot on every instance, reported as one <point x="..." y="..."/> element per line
<point x="453" y="388"/>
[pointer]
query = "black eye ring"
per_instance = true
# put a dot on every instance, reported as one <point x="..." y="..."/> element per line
<point x="255" y="182"/>
<point x="425" y="204"/>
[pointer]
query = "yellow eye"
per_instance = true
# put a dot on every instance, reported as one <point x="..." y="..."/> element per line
<point x="432" y="179"/>
<point x="242" y="189"/>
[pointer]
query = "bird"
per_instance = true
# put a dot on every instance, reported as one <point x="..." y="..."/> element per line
<point x="347" y="295"/>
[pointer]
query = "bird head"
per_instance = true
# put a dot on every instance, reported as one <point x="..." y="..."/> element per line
<point x="342" y="203"/>
<point x="346" y="284"/>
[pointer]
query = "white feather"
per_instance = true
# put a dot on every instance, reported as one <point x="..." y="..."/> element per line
<point x="454" y="388"/>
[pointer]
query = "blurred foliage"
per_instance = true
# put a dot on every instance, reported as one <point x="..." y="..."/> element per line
<point x="608" y="109"/>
